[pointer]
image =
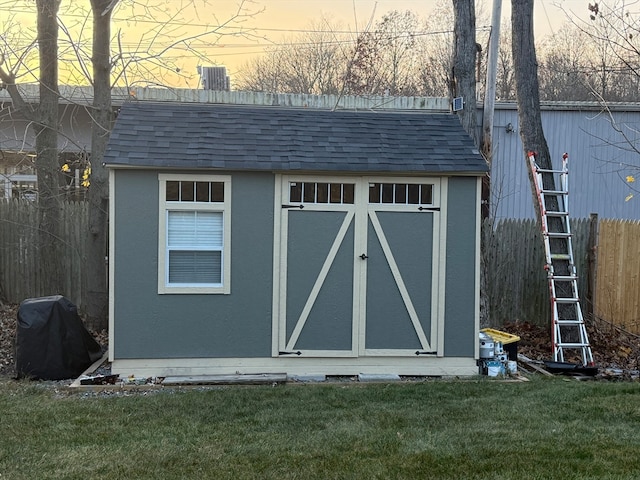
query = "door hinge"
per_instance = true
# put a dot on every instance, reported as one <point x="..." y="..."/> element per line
<point x="290" y="353"/>
<point x="429" y="209"/>
<point x="293" y="206"/>
<point x="418" y="352"/>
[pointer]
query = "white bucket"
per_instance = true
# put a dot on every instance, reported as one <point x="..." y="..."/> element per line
<point x="495" y="369"/>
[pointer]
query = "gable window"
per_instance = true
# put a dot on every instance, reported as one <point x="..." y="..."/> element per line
<point x="194" y="234"/>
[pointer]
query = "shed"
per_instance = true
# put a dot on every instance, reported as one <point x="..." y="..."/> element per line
<point x="278" y="240"/>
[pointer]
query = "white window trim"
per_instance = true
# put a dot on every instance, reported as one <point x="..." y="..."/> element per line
<point x="165" y="206"/>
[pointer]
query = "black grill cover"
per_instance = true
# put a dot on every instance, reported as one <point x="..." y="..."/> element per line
<point x="51" y="340"/>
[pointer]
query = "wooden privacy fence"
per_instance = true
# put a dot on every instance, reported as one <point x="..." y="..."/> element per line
<point x="618" y="271"/>
<point x="513" y="259"/>
<point x="20" y="275"/>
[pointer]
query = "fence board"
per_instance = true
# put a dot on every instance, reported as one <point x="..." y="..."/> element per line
<point x="514" y="259"/>
<point x="20" y="276"/>
<point x="617" y="295"/>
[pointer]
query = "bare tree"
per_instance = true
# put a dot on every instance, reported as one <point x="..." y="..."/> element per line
<point x="312" y="62"/>
<point x="400" y="54"/>
<point x="563" y="66"/>
<point x="464" y="63"/>
<point x="615" y="31"/>
<point x="386" y="58"/>
<point x="96" y="66"/>
<point x="505" y="83"/>
<point x="44" y="118"/>
<point x="96" y="296"/>
<point x="527" y="89"/>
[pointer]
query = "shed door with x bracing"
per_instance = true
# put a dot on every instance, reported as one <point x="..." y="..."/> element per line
<point x="356" y="267"/>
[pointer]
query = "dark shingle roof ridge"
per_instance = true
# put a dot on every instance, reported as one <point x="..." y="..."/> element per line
<point x="223" y="136"/>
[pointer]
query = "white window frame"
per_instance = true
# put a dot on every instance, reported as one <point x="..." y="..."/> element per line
<point x="164" y="287"/>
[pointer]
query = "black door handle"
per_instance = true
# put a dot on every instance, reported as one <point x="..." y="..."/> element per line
<point x="364" y="256"/>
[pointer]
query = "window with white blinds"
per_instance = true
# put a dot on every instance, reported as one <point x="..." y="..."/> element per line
<point x="194" y="243"/>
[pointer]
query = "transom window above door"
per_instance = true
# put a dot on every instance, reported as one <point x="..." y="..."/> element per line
<point x="401" y="193"/>
<point x="321" y="192"/>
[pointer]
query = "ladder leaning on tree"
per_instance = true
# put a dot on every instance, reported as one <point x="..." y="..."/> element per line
<point x="568" y="332"/>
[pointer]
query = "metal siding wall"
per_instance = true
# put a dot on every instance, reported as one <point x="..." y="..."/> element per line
<point x="149" y="325"/>
<point x="459" y="327"/>
<point x="598" y="163"/>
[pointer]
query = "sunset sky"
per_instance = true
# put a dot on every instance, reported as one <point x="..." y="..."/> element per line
<point x="265" y="23"/>
<point x="278" y="19"/>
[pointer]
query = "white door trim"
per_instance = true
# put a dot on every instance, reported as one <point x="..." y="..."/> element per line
<point x="359" y="214"/>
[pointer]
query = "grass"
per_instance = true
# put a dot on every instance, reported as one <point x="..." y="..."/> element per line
<point x="542" y="429"/>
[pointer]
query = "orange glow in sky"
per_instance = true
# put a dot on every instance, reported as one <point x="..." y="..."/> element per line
<point x="262" y="24"/>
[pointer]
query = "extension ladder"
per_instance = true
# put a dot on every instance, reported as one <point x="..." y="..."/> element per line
<point x="568" y="333"/>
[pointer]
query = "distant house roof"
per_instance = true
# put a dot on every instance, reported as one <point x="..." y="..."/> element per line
<point x="231" y="137"/>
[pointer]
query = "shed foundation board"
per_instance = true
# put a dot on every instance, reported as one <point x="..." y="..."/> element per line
<point x="226" y="379"/>
<point x="378" y="377"/>
<point x="195" y="367"/>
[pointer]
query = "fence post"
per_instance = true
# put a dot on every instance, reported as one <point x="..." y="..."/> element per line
<point x="592" y="263"/>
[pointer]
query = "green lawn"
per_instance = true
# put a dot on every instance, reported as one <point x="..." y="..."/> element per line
<point x="554" y="428"/>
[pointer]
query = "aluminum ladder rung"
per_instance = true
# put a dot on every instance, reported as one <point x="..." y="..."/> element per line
<point x="572" y="345"/>
<point x="548" y="170"/>
<point x="563" y="278"/>
<point x="554" y="192"/>
<point x="566" y="300"/>
<point x="553" y="213"/>
<point x="560" y="256"/>
<point x="570" y="323"/>
<point x="558" y="234"/>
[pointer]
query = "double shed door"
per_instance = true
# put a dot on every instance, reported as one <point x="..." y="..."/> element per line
<point x="358" y="267"/>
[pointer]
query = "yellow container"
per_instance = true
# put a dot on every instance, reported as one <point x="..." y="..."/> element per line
<point x="508" y="341"/>
<point x="502" y="337"/>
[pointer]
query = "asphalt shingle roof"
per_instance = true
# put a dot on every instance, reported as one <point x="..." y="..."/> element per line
<point x="232" y="137"/>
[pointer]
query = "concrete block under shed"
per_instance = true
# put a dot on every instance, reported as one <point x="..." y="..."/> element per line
<point x="307" y="378"/>
<point x="378" y="377"/>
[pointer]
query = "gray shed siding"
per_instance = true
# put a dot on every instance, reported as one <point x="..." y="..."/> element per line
<point x="599" y="161"/>
<point x="460" y="280"/>
<point x="174" y="326"/>
<point x="239" y="325"/>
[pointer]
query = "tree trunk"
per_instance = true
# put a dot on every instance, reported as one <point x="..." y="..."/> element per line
<point x="527" y="90"/>
<point x="464" y="85"/>
<point x="47" y="164"/>
<point x="96" y="292"/>
<point x="464" y="64"/>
